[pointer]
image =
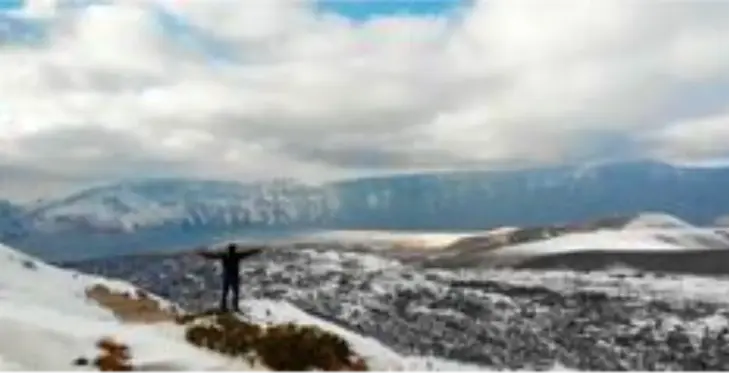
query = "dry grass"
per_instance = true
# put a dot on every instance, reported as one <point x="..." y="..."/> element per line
<point x="137" y="309"/>
<point x="287" y="347"/>
<point x="113" y="357"/>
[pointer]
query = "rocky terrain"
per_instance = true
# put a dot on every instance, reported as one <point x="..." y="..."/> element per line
<point x="510" y="319"/>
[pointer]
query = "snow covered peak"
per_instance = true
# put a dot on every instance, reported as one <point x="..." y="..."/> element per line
<point x="722" y="221"/>
<point x="656" y="220"/>
<point x="153" y="203"/>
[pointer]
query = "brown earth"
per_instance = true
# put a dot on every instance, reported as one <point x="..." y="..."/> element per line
<point x="134" y="309"/>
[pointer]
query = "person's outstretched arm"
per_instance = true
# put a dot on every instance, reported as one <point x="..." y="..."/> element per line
<point x="248" y="253"/>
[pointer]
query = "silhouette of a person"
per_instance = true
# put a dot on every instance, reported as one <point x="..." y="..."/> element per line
<point x="230" y="262"/>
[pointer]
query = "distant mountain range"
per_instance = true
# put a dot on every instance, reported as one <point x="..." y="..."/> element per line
<point x="187" y="212"/>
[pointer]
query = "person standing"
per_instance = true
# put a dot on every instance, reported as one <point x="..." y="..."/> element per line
<point x="230" y="263"/>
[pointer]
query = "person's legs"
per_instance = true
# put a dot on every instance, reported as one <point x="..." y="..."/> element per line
<point x="235" y="288"/>
<point x="224" y="295"/>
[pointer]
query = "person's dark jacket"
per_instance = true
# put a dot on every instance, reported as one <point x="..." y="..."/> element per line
<point x="230" y="259"/>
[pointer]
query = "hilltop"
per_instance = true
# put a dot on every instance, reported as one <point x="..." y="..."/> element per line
<point x="61" y="319"/>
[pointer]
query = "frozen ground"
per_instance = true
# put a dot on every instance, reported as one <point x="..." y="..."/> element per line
<point x="47" y="322"/>
<point x="611" y="319"/>
<point x="467" y="318"/>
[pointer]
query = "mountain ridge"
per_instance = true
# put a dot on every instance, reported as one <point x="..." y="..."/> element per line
<point x="476" y="200"/>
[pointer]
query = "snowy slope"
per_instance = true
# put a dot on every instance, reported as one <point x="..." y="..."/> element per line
<point x="377" y="355"/>
<point x="46" y="322"/>
<point x="657" y="220"/>
<point x="650" y="236"/>
<point x="26" y="280"/>
<point x="645" y="232"/>
<point x="722" y="221"/>
<point x="611" y="241"/>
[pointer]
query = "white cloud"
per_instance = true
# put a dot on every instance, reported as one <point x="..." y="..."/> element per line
<point x="692" y="140"/>
<point x="290" y="91"/>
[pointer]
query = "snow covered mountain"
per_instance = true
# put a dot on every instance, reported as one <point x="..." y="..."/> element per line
<point x="13" y="222"/>
<point x="187" y="204"/>
<point x="160" y="214"/>
<point x="174" y="212"/>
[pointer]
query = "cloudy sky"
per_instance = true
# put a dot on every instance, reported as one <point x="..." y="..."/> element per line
<point x="102" y="90"/>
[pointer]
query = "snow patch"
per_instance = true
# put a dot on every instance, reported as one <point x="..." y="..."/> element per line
<point x="647" y="233"/>
<point x="37" y="338"/>
<point x="593" y="241"/>
<point x="629" y="240"/>
<point x="380" y="357"/>
<point x="46" y="322"/>
<point x="657" y="220"/>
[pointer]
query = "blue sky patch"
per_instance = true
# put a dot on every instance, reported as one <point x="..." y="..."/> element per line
<point x="356" y="9"/>
<point x="17" y="30"/>
<point x="368" y="9"/>
<point x="11" y="4"/>
<point x="14" y="30"/>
